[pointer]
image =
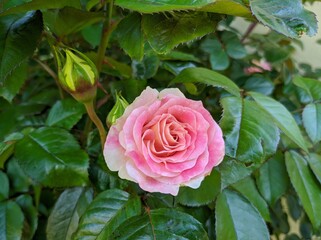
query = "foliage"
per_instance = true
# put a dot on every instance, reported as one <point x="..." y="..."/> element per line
<point x="54" y="181"/>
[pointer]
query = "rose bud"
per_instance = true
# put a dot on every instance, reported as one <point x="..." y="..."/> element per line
<point x="117" y="110"/>
<point x="163" y="141"/>
<point x="77" y="74"/>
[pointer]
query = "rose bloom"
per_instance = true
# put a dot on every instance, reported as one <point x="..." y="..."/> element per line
<point x="164" y="141"/>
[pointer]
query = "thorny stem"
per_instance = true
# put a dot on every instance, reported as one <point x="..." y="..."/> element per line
<point x="93" y="116"/>
<point x="248" y="31"/>
<point x="107" y="29"/>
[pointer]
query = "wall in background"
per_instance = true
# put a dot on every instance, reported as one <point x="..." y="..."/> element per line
<point x="311" y="53"/>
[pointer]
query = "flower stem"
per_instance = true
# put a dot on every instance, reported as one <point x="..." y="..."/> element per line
<point x="107" y="29"/>
<point x="248" y="31"/>
<point x="93" y="116"/>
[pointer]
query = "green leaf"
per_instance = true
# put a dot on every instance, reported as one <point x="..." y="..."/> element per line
<point x="64" y="218"/>
<point x="176" y="67"/>
<point x="70" y="20"/>
<point x="248" y="189"/>
<point x="145" y="69"/>
<point x="208" y="77"/>
<point x="219" y="59"/>
<point x="65" y="113"/>
<point x="4" y="190"/>
<point x="250" y="135"/>
<point x="19" y="38"/>
<point x="40" y="4"/>
<point x="130" y="35"/>
<point x="281" y="117"/>
<point x="232" y="171"/>
<point x="11" y="221"/>
<point x="229" y="7"/>
<point x="31" y="216"/>
<point x="19" y="181"/>
<point x="272" y="179"/>
<point x="152" y="6"/>
<point x="314" y="161"/>
<point x="259" y="84"/>
<point x="92" y="34"/>
<point x="164" y="33"/>
<point x="6" y="150"/>
<point x="287" y="17"/>
<point x="107" y="211"/>
<point x="205" y="194"/>
<point x="236" y="218"/>
<point x="311" y="86"/>
<point x="311" y="117"/>
<point x="52" y="157"/>
<point x="180" y="56"/>
<point x="14" y="82"/>
<point x="161" y="224"/>
<point x="306" y="186"/>
<point x="234" y="47"/>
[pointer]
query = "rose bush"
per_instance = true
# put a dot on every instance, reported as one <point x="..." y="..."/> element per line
<point x="164" y="141"/>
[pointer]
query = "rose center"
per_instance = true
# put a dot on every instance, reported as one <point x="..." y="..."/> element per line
<point x="169" y="134"/>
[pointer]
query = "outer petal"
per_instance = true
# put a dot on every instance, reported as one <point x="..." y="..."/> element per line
<point x="113" y="152"/>
<point x="171" y="91"/>
<point x="150" y="184"/>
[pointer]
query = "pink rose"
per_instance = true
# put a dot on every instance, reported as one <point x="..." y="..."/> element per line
<point x="164" y="141"/>
<point x="261" y="66"/>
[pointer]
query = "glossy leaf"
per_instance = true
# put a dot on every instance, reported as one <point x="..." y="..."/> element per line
<point x="219" y="60"/>
<point x="306" y="186"/>
<point x="64" y="218"/>
<point x="208" y="77"/>
<point x="11" y="221"/>
<point x="180" y="56"/>
<point x="311" y="86"/>
<point x="248" y="189"/>
<point x="107" y="211"/>
<point x="6" y="150"/>
<point x="233" y="45"/>
<point x="19" y="38"/>
<point x="314" y="161"/>
<point x="40" y="4"/>
<point x="52" y="157"/>
<point x="14" y="82"/>
<point x="164" y="33"/>
<point x="287" y="17"/>
<point x="19" y="181"/>
<point x="70" y="20"/>
<point x="232" y="171"/>
<point x="130" y="35"/>
<point x="218" y="57"/>
<point x="250" y="135"/>
<point x="161" y="224"/>
<point x="205" y="194"/>
<point x="176" y="68"/>
<point x="31" y="216"/>
<point x="65" y="113"/>
<point x="259" y="84"/>
<point x="281" y="117"/>
<point x="311" y="117"/>
<point x="4" y="190"/>
<point x="272" y="179"/>
<point x="237" y="219"/>
<point x="145" y="69"/>
<point x="152" y="6"/>
<point x="229" y="7"/>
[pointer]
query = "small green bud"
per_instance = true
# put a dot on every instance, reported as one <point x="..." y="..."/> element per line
<point x="117" y="110"/>
<point x="77" y="74"/>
